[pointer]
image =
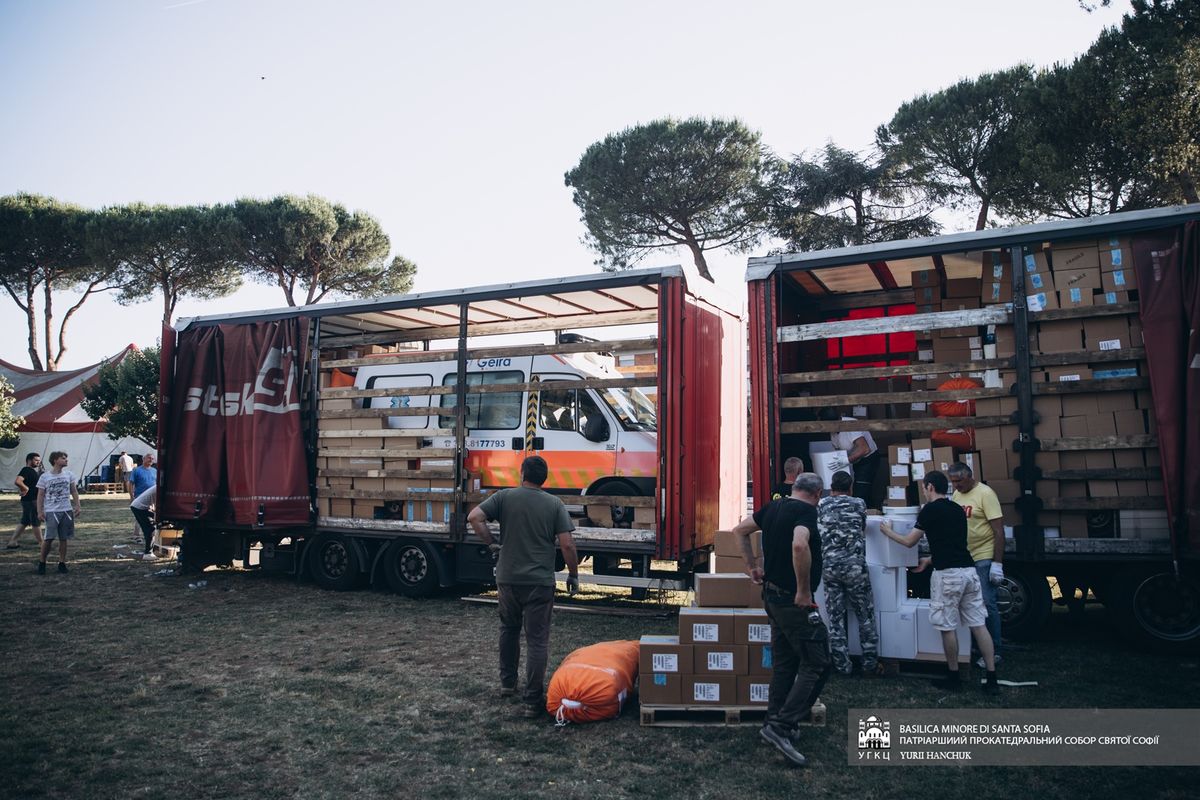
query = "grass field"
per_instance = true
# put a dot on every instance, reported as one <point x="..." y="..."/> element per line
<point x="121" y="684"/>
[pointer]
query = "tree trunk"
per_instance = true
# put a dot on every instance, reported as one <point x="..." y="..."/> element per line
<point x="164" y="286"/>
<point x="48" y="320"/>
<point x="698" y="258"/>
<point x="1187" y="182"/>
<point x="981" y="221"/>
<point x="35" y="357"/>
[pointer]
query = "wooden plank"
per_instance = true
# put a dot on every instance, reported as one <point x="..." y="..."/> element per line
<point x="1102" y="503"/>
<point x="426" y="452"/>
<point x="371" y="413"/>
<point x="877" y="398"/>
<point x="608" y="500"/>
<point x="1091" y="385"/>
<point x="692" y="715"/>
<point x="936" y="320"/>
<point x="445" y="496"/>
<point x="1083" y="312"/>
<point x="386" y="433"/>
<point x="1098" y="443"/>
<point x="859" y="299"/>
<point x="922" y="368"/>
<point x="422" y="356"/>
<point x="1088" y="357"/>
<point x="1110" y="474"/>
<point x="628" y="536"/>
<point x="884" y="425"/>
<point x="432" y="473"/>
<point x="597" y="320"/>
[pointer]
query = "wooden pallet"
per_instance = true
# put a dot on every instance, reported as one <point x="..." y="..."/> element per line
<point x="104" y="488"/>
<point x="692" y="716"/>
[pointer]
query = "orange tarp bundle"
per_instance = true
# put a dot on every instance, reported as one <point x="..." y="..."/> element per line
<point x="958" y="438"/>
<point x="593" y="682"/>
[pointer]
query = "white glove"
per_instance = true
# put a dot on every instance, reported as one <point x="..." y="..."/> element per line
<point x="996" y="573"/>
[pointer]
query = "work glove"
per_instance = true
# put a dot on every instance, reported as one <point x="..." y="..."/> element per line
<point x="572" y="584"/>
<point x="494" y="551"/>
<point x="996" y="573"/>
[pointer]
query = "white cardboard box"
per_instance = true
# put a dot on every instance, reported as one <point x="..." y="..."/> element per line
<point x="889" y="585"/>
<point x="826" y="464"/>
<point x="883" y="551"/>
<point x="929" y="639"/>
<point x="898" y="633"/>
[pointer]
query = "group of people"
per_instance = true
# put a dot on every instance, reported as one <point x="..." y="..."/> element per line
<point x="52" y="496"/>
<point x="808" y="538"/>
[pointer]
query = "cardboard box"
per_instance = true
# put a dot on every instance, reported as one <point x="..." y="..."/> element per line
<point x="725" y="543"/>
<point x="664" y="654"/>
<point x="760" y="659"/>
<point x="889" y="585"/>
<point x="1120" y="280"/>
<point x="705" y="625"/>
<point x="1060" y="336"/>
<point x="1101" y="424"/>
<point x="710" y="690"/>
<point x="751" y="626"/>
<point x="897" y="496"/>
<point x="337" y="404"/>
<point x="1076" y="297"/>
<point x="926" y="278"/>
<point x="929" y="297"/>
<point x="962" y="288"/>
<point x="351" y="424"/>
<point x="1048" y="428"/>
<point x="899" y="454"/>
<point x="943" y="457"/>
<point x="898" y="632"/>
<point x="1007" y="490"/>
<point x="919" y="471"/>
<point x="719" y="659"/>
<point x="1073" y="278"/>
<point x="1122" y="369"/>
<point x="1129" y="423"/>
<point x="1102" y="489"/>
<point x="996" y="282"/>
<point x="1111" y="298"/>
<point x="883" y="551"/>
<point x="898" y="474"/>
<point x="730" y="564"/>
<point x="989" y="439"/>
<point x="993" y="465"/>
<point x="1079" y="405"/>
<point x="1036" y="262"/>
<point x="929" y="640"/>
<point x="922" y="450"/>
<point x="1041" y="300"/>
<point x="1098" y="459"/>
<point x="1075" y="256"/>
<point x="1115" y="253"/>
<point x="1073" y="526"/>
<point x="1072" y="372"/>
<point x="726" y="590"/>
<point x="1072" y="427"/>
<point x="828" y="464"/>
<point x="1038" y="282"/>
<point x="753" y="690"/>
<point x="660" y="689"/>
<point x="1106" y="333"/>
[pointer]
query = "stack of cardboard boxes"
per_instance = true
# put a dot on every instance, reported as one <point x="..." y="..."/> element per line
<point x="908" y="463"/>
<point x="722" y="654"/>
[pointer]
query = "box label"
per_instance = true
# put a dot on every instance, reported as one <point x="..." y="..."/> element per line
<point x="1110" y="344"/>
<point x="924" y="454"/>
<point x="904" y="455"/>
<point x="897" y="492"/>
<point x="1076" y="295"/>
<point x="759" y="633"/>
<point x="720" y="662"/>
<point x="1116" y="259"/>
<point x="918" y="472"/>
<point x="899" y="470"/>
<point x="665" y="662"/>
<point x="1110" y="298"/>
<point x="1036" y="302"/>
<point x="660" y="680"/>
<point x="706" y="692"/>
<point x="918" y="406"/>
<point x="1030" y="263"/>
<point x="1118" y="277"/>
<point x="1063" y="378"/>
<point x="768" y="661"/>
<point x="760" y="692"/>
<point x="705" y="631"/>
<point x="1035" y="280"/>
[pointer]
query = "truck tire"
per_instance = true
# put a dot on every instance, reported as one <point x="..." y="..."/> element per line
<point x="334" y="561"/>
<point x="1024" y="600"/>
<point x="622" y="516"/>
<point x="1155" y="608"/>
<point x="410" y="569"/>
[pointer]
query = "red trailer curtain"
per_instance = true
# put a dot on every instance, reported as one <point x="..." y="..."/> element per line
<point x="1169" y="292"/>
<point x="234" y="430"/>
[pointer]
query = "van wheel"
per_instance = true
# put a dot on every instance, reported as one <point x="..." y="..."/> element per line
<point x="1155" y="608"/>
<point x="410" y="569"/>
<point x="1025" y="602"/>
<point x="622" y="516"/>
<point x="334" y="562"/>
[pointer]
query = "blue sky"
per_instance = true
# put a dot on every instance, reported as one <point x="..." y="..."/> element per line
<point x="452" y="123"/>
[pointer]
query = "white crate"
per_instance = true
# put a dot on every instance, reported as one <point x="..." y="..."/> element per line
<point x="929" y="639"/>
<point x="883" y="551"/>
<point x="898" y="633"/>
<point x="889" y="585"/>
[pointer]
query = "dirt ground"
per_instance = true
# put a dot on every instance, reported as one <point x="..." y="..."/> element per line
<point x="122" y="683"/>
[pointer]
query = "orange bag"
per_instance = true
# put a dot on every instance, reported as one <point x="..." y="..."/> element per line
<point x="955" y="408"/>
<point x="592" y="683"/>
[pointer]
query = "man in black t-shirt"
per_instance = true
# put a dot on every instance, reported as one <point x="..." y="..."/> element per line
<point x="26" y="483"/>
<point x="954" y="592"/>
<point x="791" y="468"/>
<point x="791" y="571"/>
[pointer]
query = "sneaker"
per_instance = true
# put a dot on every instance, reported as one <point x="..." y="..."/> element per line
<point x="948" y="684"/>
<point x="149" y="557"/>
<point x="979" y="662"/>
<point x="783" y="744"/>
<point x="532" y="712"/>
<point x="62" y="568"/>
<point x="41" y="569"/>
<point x="507" y="691"/>
<point x="12" y="546"/>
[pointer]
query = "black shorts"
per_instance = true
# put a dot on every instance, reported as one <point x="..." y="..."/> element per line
<point x="29" y="513"/>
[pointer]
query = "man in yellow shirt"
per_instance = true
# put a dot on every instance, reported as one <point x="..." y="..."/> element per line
<point x="985" y="538"/>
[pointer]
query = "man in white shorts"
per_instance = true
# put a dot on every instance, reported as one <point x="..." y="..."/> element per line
<point x="57" y="505"/>
<point x="955" y="596"/>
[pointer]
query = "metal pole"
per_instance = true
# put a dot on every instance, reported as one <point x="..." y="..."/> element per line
<point x="458" y="519"/>
<point x="1028" y="535"/>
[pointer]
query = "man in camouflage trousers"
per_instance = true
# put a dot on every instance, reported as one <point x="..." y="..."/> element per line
<point x="842" y="520"/>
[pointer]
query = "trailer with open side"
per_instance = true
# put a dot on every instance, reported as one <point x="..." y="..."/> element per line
<point x="1077" y="349"/>
<point x="347" y="441"/>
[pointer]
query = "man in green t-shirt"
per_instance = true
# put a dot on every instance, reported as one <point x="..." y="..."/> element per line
<point x="985" y="538"/>
<point x="532" y="524"/>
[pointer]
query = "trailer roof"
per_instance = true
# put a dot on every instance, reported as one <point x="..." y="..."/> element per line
<point x="889" y="265"/>
<point x="570" y="296"/>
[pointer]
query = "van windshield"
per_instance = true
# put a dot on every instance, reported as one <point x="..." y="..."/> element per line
<point x="635" y="411"/>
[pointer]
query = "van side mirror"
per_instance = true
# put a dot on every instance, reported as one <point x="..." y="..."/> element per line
<point x="596" y="428"/>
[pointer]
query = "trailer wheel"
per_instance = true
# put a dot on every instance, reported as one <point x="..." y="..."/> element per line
<point x="334" y="562"/>
<point x="1156" y="608"/>
<point x="410" y="569"/>
<point x="622" y="516"/>
<point x="1024" y="601"/>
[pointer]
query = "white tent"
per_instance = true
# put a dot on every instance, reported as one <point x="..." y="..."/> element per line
<point x="54" y="420"/>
